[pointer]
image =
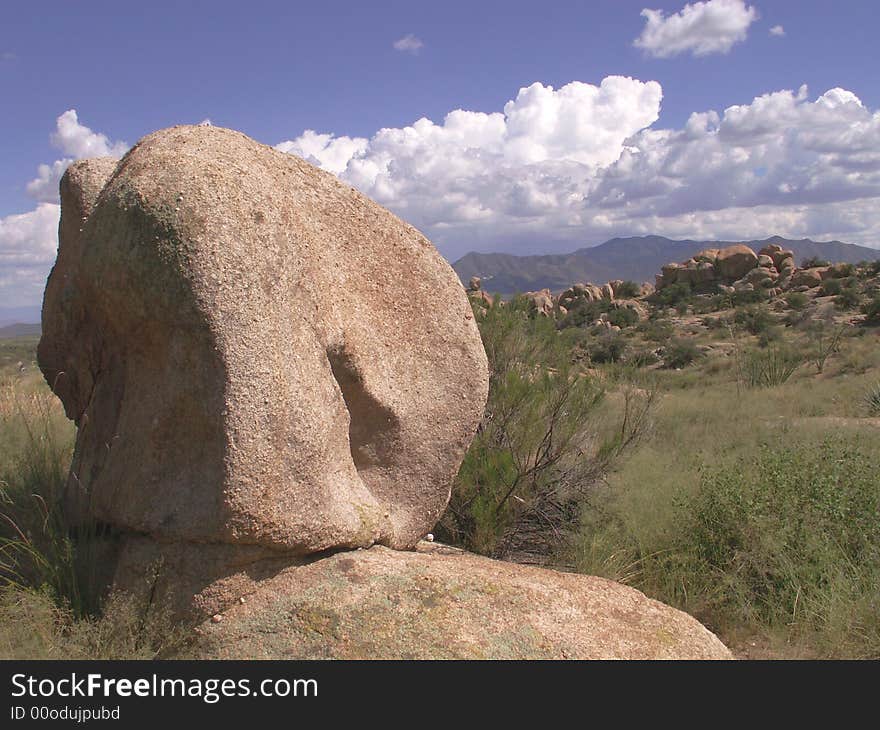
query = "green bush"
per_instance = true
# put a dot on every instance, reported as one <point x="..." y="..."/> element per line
<point x="671" y="295"/>
<point x="656" y="330"/>
<point x="848" y="299"/>
<point x="623" y="317"/>
<point x="797" y="300"/>
<point x="740" y="298"/>
<point x="755" y="319"/>
<point x="584" y="313"/>
<point x="642" y="358"/>
<point x="871" y="310"/>
<point x="830" y="287"/>
<point x="791" y="540"/>
<point x="628" y="290"/>
<point x="769" y="336"/>
<point x="608" y="347"/>
<point x="680" y="352"/>
<point x="782" y="544"/>
<point x="537" y="448"/>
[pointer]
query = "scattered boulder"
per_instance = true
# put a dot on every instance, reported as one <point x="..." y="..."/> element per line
<point x="441" y="603"/>
<point x="734" y="262"/>
<point x="634" y="305"/>
<point x="807" y="278"/>
<point x="540" y="302"/>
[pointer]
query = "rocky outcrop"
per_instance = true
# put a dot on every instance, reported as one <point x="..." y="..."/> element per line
<point x="220" y="398"/>
<point x="476" y="294"/>
<point x="540" y="302"/>
<point x="441" y="603"/>
<point x="738" y="268"/>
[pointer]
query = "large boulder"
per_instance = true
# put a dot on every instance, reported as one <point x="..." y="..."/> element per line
<point x="806" y="277"/>
<point x="734" y="262"/>
<point x="221" y="324"/>
<point x="540" y="302"/>
<point x="440" y="603"/>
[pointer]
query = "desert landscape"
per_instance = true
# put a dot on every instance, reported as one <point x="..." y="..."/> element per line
<point x="439" y="333"/>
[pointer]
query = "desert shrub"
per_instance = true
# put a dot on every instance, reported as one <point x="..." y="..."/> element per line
<point x="742" y="298"/>
<point x="642" y="358"/>
<point x="797" y="300"/>
<point x="813" y="261"/>
<point x="628" y="290"/>
<point x="823" y="337"/>
<point x="671" y="295"/>
<point x="872" y="400"/>
<point x="830" y="287"/>
<point x="680" y="352"/>
<point x="772" y="334"/>
<point x="768" y="367"/>
<point x="656" y="330"/>
<point x="755" y="319"/>
<point x="623" y="317"/>
<point x="871" y="310"/>
<point x="713" y="323"/>
<point x="781" y="543"/>
<point x="706" y="304"/>
<point x="844" y="270"/>
<point x="585" y="313"/>
<point x="848" y="298"/>
<point x="34" y="626"/>
<point x="537" y="448"/>
<point x="792" y="540"/>
<point x="608" y="347"/>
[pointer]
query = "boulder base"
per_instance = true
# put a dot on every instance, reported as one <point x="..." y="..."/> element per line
<point x="442" y="603"/>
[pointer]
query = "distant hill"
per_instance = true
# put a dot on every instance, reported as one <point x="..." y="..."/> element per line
<point x="637" y="258"/>
<point x="19" y="330"/>
<point x="17" y="315"/>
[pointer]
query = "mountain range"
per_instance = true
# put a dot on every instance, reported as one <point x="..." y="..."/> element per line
<point x="637" y="259"/>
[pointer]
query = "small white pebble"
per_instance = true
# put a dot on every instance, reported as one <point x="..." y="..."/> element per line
<point x="241" y="600"/>
<point x="216" y="618"/>
<point x="429" y="537"/>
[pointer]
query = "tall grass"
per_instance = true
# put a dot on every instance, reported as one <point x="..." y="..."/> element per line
<point x="51" y="576"/>
<point x="742" y="511"/>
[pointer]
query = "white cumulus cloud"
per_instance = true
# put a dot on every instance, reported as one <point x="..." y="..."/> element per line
<point x="28" y="242"/>
<point x="529" y="163"/>
<point x="76" y="142"/>
<point x="558" y="168"/>
<point x="324" y="150"/>
<point x="408" y="44"/>
<point x="777" y="30"/>
<point x="700" y="28"/>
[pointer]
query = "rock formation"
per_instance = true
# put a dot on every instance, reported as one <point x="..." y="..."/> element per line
<point x="219" y="327"/>
<point x="738" y="268"/>
<point x="441" y="603"/>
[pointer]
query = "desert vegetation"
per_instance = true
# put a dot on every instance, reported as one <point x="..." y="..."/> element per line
<point x="50" y="605"/>
<point x="748" y="494"/>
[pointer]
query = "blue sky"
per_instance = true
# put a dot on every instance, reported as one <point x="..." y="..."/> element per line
<point x="788" y="165"/>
